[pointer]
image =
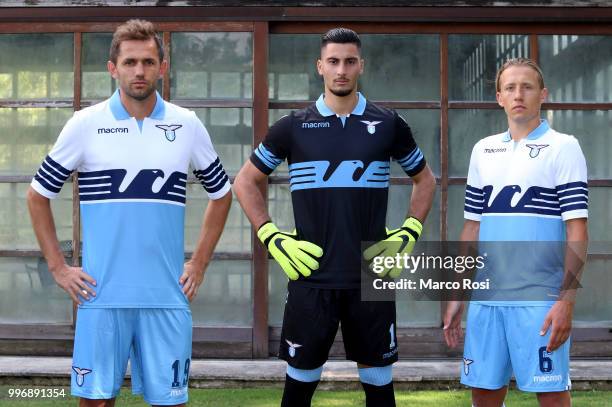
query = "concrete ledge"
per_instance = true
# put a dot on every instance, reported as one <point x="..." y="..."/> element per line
<point x="408" y="374"/>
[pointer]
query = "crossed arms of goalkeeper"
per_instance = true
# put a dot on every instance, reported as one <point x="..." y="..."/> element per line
<point x="301" y="257"/>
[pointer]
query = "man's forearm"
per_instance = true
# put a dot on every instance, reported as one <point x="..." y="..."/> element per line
<point x="44" y="229"/>
<point x="575" y="257"/>
<point x="248" y="191"/>
<point x="213" y="223"/>
<point x="423" y="191"/>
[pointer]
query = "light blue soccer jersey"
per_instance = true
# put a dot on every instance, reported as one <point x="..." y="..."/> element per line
<point x="132" y="183"/>
<point x="523" y="191"/>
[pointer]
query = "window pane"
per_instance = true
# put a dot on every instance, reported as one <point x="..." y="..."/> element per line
<point x="425" y="126"/>
<point x="409" y="60"/>
<point x="281" y="212"/>
<point x="593" y="305"/>
<point x="36" y="66"/>
<point x="600" y="213"/>
<point x="473" y="61"/>
<point x="231" y="132"/>
<point x="456" y="194"/>
<point x="593" y="131"/>
<point x="401" y="67"/>
<point x="236" y="236"/>
<point x="29" y="295"/>
<point x="212" y="65"/>
<point x="96" y="82"/>
<point x="15" y="226"/>
<point x="577" y="68"/>
<point x="292" y="63"/>
<point x="465" y="128"/>
<point x="28" y="135"/>
<point x="225" y="295"/>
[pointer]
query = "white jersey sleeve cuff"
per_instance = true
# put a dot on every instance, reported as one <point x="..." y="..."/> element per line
<point x="220" y="193"/>
<point x="578" y="213"/>
<point x="471" y="216"/>
<point x="42" y="190"/>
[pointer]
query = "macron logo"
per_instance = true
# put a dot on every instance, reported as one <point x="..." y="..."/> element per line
<point x="316" y="125"/>
<point x="106" y="130"/>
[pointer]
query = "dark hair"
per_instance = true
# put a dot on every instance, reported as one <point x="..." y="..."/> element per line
<point x="340" y="36"/>
<point x="519" y="62"/>
<point x="140" y="30"/>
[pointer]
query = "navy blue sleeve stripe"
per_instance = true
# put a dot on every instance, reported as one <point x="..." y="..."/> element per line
<point x="577" y="184"/>
<point x="211" y="168"/>
<point x="572" y="192"/>
<point x="472" y="210"/>
<point x="571" y="199"/>
<point x="574" y="207"/>
<point x="474" y="196"/>
<point x="213" y="178"/>
<point x="46" y="185"/>
<point x="212" y="190"/>
<point x="473" y="190"/>
<point x="210" y="175"/>
<point x="64" y="171"/>
<point x="50" y="179"/>
<point x="213" y="181"/>
<point x="50" y="170"/>
<point x="575" y="197"/>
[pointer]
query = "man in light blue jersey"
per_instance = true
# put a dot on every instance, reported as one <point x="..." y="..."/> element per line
<point x="527" y="186"/>
<point x="132" y="154"/>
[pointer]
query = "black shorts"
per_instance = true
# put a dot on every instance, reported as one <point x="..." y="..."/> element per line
<point x="311" y="322"/>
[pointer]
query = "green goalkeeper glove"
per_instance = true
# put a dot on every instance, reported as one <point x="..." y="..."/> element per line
<point x="294" y="256"/>
<point x="399" y="241"/>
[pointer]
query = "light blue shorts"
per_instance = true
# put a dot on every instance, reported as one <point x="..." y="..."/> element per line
<point x="501" y="340"/>
<point x="156" y="341"/>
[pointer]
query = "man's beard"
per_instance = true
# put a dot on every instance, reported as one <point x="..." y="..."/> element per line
<point x="341" y="93"/>
<point x="141" y="94"/>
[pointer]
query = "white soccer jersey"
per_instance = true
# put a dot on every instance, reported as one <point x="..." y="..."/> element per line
<point x="132" y="184"/>
<point x="524" y="191"/>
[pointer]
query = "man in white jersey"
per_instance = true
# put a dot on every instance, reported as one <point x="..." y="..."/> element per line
<point x="132" y="154"/>
<point x="528" y="184"/>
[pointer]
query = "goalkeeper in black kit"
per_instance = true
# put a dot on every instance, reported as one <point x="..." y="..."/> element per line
<point x="339" y="151"/>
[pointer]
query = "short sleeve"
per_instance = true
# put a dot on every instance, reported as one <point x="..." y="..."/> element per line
<point x="207" y="166"/>
<point x="474" y="194"/>
<point x="405" y="150"/>
<point x="62" y="160"/>
<point x="571" y="181"/>
<point x="275" y="148"/>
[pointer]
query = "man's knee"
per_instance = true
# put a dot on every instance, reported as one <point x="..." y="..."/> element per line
<point x="555" y="399"/>
<point x="488" y="398"/>
<point x="96" y="402"/>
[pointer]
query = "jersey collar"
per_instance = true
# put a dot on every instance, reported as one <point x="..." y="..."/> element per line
<point x="325" y="111"/>
<point x="534" y="135"/>
<point x="120" y="113"/>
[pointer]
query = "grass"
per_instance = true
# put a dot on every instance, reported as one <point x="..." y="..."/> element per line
<point x="271" y="398"/>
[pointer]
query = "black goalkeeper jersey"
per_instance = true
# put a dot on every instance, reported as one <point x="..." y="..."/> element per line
<point x="339" y="179"/>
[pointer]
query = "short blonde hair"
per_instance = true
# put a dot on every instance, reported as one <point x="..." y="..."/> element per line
<point x="519" y="62"/>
